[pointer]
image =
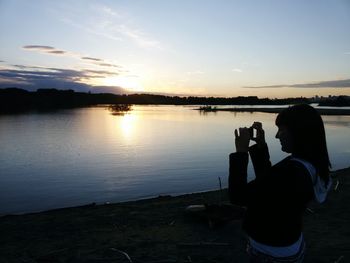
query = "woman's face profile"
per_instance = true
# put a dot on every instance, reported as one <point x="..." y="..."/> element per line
<point x="285" y="137"/>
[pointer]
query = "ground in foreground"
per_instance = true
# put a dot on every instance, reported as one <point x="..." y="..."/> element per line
<point x="159" y="230"/>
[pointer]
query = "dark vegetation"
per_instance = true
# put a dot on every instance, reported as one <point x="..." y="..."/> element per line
<point x="19" y="100"/>
<point x="322" y="111"/>
<point x="119" y="109"/>
<point x="339" y="101"/>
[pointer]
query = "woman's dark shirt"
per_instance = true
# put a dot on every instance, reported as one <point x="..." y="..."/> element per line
<point x="275" y="200"/>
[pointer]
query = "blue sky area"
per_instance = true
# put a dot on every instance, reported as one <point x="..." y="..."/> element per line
<point x="186" y="47"/>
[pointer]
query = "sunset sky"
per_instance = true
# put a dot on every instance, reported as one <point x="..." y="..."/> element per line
<point x="184" y="47"/>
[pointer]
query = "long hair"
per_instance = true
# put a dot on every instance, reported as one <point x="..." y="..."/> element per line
<point x="308" y="135"/>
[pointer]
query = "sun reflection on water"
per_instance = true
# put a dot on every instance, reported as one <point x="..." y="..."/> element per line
<point x="127" y="125"/>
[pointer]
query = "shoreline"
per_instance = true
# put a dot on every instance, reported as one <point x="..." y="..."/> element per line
<point x="322" y="111"/>
<point x="159" y="230"/>
<point x="337" y="111"/>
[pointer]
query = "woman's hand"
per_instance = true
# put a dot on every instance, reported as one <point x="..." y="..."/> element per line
<point x="260" y="133"/>
<point x="242" y="139"/>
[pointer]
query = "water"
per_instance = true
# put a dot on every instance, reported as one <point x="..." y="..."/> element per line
<point x="79" y="156"/>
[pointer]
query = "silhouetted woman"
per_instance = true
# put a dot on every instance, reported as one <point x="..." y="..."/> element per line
<point x="276" y="199"/>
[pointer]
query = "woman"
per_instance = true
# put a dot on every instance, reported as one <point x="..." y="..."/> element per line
<point x="277" y="198"/>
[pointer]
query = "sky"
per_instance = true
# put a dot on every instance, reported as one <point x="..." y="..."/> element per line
<point x="223" y="48"/>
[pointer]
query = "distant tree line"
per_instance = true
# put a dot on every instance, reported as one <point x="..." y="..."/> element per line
<point x="339" y="101"/>
<point x="18" y="100"/>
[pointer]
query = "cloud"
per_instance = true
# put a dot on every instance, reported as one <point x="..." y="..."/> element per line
<point x="38" y="47"/>
<point x="57" y="52"/>
<point x="45" y="49"/>
<point x="100" y="62"/>
<point x="138" y="37"/>
<point x="100" y="73"/>
<point x="109" y="11"/>
<point x="109" y="65"/>
<point x="112" y="24"/>
<point x="109" y="89"/>
<point x="54" y="51"/>
<point x="93" y="59"/>
<point x="344" y="83"/>
<point x="32" y="78"/>
<point x="237" y="70"/>
<point x="111" y="17"/>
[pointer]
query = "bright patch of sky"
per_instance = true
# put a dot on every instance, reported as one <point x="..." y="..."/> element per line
<point x="195" y="47"/>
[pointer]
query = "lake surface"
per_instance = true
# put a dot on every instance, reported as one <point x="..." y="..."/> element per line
<point x="79" y="156"/>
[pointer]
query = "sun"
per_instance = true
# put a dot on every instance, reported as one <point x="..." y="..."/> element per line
<point x="130" y="83"/>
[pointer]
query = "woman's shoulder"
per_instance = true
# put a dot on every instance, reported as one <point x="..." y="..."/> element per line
<point x="294" y="169"/>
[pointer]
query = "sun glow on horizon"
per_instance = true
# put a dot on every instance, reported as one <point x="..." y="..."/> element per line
<point x="129" y="83"/>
